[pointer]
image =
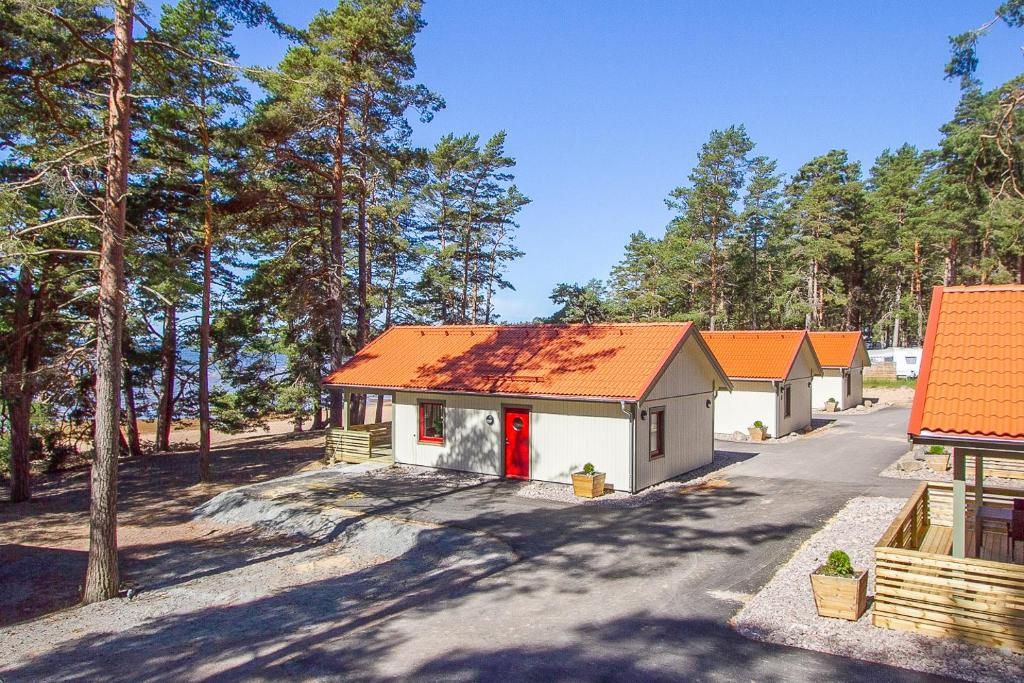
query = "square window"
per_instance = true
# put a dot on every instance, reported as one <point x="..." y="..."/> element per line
<point x="431" y="422"/>
<point x="657" y="432"/>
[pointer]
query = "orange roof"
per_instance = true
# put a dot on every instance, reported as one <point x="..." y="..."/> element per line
<point x="838" y="349"/>
<point x="604" y="361"/>
<point x="972" y="367"/>
<point x="768" y="354"/>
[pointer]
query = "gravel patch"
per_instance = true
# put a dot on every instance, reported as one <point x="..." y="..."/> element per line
<point x="895" y="471"/>
<point x="783" y="612"/>
<point x="698" y="479"/>
<point x="376" y="566"/>
<point x="432" y="475"/>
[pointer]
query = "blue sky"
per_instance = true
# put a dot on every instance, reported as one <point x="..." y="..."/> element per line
<point x="607" y="104"/>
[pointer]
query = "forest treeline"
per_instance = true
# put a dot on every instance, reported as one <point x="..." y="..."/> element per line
<point x="275" y="219"/>
<point x="833" y="246"/>
<point x="185" y="237"/>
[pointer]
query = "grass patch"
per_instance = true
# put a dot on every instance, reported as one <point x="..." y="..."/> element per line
<point x="878" y="383"/>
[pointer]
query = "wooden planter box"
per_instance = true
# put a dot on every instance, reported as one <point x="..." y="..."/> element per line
<point x="830" y="406"/>
<point x="938" y="462"/>
<point x="839" y="597"/>
<point x="588" y="486"/>
<point x="757" y="433"/>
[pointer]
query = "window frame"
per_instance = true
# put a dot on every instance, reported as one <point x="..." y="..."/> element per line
<point x="656" y="417"/>
<point x="848" y="381"/>
<point x="421" y="422"/>
<point x="787" y="401"/>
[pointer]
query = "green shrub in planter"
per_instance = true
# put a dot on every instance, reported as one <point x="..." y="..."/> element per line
<point x="838" y="565"/>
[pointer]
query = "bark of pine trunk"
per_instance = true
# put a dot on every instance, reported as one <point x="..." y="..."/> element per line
<point x="130" y="413"/>
<point x="337" y="264"/>
<point x="896" y="316"/>
<point x="318" y="415"/>
<point x="949" y="272"/>
<point x="714" y="279"/>
<point x="168" y="372"/>
<point x="204" y="321"/>
<point x="379" y="416"/>
<point x="19" y="394"/>
<point x="101" y="576"/>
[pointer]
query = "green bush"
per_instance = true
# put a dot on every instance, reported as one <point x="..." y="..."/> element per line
<point x="832" y="400"/>
<point x="936" y="450"/>
<point x="758" y="424"/>
<point x="838" y="565"/>
<point x="589" y="469"/>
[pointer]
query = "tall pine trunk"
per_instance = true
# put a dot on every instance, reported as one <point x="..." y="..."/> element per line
<point x="168" y="370"/>
<point x="101" y="576"/>
<point x="204" y="320"/>
<point x="130" y="413"/>
<point x="337" y="264"/>
<point x="18" y="393"/>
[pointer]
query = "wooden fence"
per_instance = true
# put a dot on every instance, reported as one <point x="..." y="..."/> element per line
<point x="998" y="467"/>
<point x="880" y="370"/>
<point x="975" y="600"/>
<point x="359" y="443"/>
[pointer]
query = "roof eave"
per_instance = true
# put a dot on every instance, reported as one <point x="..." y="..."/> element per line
<point x="931" y="438"/>
<point x="501" y="394"/>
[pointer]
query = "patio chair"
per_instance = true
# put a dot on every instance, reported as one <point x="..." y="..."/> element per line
<point x="1016" y="527"/>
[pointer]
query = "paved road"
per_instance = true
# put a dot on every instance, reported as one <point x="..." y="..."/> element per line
<point x="597" y="592"/>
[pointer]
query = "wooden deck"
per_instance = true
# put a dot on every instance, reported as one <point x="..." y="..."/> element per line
<point x="938" y="540"/>
<point x="360" y="443"/>
<point x="920" y="587"/>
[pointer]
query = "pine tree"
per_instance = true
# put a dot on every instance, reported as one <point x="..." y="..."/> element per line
<point x="707" y="210"/>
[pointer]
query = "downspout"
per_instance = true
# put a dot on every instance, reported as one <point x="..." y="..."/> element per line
<point x="632" y="445"/>
<point x="775" y="392"/>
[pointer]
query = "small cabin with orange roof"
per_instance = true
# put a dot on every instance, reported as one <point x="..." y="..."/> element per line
<point x="843" y="357"/>
<point x="541" y="401"/>
<point x="771" y="372"/>
<point x="951" y="563"/>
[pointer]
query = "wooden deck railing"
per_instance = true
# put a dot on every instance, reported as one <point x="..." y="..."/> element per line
<point x="971" y="599"/>
<point x="358" y="443"/>
<point x="911" y="524"/>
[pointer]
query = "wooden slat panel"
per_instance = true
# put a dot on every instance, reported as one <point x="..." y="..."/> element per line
<point x="975" y="600"/>
<point x="1000" y="467"/>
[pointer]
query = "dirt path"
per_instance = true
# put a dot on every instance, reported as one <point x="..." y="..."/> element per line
<point x="43" y="553"/>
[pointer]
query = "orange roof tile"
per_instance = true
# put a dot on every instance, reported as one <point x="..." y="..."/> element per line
<point x="765" y="354"/>
<point x="606" y="361"/>
<point x="972" y="367"/>
<point x="838" y="349"/>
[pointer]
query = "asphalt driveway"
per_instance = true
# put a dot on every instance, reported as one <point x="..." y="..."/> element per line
<point x="594" y="592"/>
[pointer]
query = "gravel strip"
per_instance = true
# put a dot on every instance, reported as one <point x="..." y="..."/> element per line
<point x="695" y="479"/>
<point x="783" y="612"/>
<point x="893" y="471"/>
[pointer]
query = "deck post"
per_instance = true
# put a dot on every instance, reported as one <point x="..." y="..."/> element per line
<point x="959" y="502"/>
<point x="979" y="497"/>
<point x="344" y="410"/>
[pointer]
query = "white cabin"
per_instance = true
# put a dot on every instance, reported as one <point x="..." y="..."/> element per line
<point x="843" y="357"/>
<point x="541" y="401"/>
<point x="771" y="373"/>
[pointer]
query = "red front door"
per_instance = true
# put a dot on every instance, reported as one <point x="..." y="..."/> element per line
<point x="517" y="443"/>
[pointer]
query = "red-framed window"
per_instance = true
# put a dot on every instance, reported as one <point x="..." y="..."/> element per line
<point x="657" y="432"/>
<point x="431" y="422"/>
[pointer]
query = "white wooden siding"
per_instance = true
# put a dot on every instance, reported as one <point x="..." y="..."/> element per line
<point x="800" y="416"/>
<point x="736" y="411"/>
<point x="689" y="439"/>
<point x="685" y="390"/>
<point x="832" y="385"/>
<point x="564" y="435"/>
